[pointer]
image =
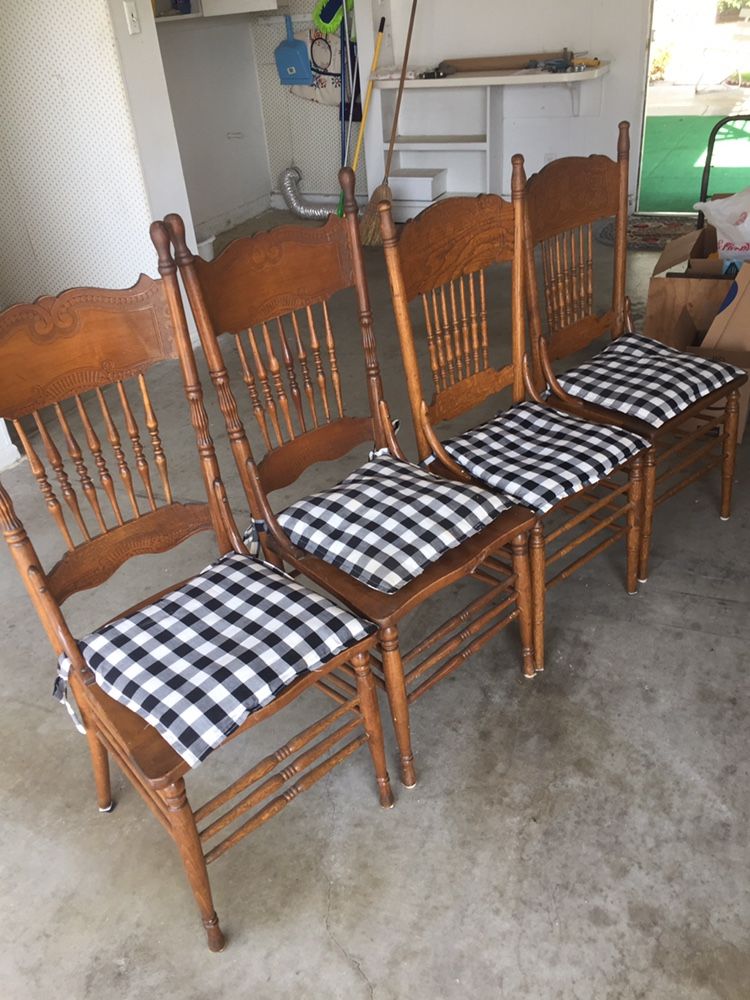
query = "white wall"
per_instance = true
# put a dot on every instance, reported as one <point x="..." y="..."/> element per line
<point x="211" y="74"/>
<point x="537" y="121"/>
<point x="73" y="204"/>
<point x="151" y="115"/>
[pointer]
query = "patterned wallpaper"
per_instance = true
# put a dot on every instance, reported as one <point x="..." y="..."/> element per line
<point x="73" y="207"/>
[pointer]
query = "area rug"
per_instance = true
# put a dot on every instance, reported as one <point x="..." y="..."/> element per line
<point x="649" y="232"/>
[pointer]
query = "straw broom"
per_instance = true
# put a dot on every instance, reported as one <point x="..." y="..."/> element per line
<point x="369" y="225"/>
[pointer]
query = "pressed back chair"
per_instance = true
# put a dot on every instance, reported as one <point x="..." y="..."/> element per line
<point x="390" y="535"/>
<point x="686" y="406"/>
<point x="167" y="682"/>
<point x="580" y="475"/>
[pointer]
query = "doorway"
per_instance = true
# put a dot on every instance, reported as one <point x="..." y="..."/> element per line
<point x="699" y="72"/>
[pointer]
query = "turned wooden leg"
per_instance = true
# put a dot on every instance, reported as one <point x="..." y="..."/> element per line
<point x="520" y="549"/>
<point x="368" y="704"/>
<point x="538" y="589"/>
<point x="185" y="833"/>
<point x="729" y="452"/>
<point x="99" y="762"/>
<point x="395" y="686"/>
<point x="635" y="511"/>
<point x="647" y="512"/>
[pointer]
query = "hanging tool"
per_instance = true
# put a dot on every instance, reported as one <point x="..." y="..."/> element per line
<point x="293" y="60"/>
<point x="328" y="14"/>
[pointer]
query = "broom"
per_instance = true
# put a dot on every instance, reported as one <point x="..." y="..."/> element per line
<point x="369" y="225"/>
<point x="365" y="109"/>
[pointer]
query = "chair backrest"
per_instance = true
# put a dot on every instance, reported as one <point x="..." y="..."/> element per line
<point x="73" y="385"/>
<point x="563" y="202"/>
<point x="441" y="258"/>
<point x="269" y="295"/>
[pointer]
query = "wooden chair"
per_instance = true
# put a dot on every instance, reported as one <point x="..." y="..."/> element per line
<point x="686" y="406"/>
<point x="168" y="681"/>
<point x="390" y="535"/>
<point x="581" y="476"/>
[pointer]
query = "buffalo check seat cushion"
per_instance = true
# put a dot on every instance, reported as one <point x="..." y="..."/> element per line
<point x="198" y="661"/>
<point x="388" y="521"/>
<point x="539" y="456"/>
<point x="642" y="378"/>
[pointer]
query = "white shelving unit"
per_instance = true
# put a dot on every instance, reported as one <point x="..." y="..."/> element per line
<point x="472" y="161"/>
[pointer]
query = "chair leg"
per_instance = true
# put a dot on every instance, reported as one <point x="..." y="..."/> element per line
<point x="99" y="763"/>
<point x="729" y="452"/>
<point x="538" y="589"/>
<point x="647" y="514"/>
<point x="635" y="510"/>
<point x="395" y="685"/>
<point x="185" y="833"/>
<point x="520" y="549"/>
<point x="368" y="704"/>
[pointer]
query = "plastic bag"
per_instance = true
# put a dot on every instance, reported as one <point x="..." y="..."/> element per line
<point x="731" y="219"/>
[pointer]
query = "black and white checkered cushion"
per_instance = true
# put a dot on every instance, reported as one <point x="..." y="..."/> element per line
<point x="539" y="456"/>
<point x="389" y="520"/>
<point x="197" y="662"/>
<point x="645" y="379"/>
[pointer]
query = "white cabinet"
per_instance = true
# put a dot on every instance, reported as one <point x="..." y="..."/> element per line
<point x="212" y="8"/>
<point x="164" y="9"/>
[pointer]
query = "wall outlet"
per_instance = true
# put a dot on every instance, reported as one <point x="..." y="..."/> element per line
<point x="131" y="17"/>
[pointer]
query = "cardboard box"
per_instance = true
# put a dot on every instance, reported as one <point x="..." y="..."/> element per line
<point x="701" y="313"/>
<point x="685" y="281"/>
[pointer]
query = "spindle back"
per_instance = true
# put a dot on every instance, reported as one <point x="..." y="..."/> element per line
<point x="564" y="201"/>
<point x="441" y="258"/>
<point x="73" y="384"/>
<point x="270" y="294"/>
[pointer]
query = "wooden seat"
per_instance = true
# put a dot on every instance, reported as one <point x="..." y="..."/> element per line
<point x="388" y="536"/>
<point x="582" y="477"/>
<point x="686" y="406"/>
<point x="166" y="683"/>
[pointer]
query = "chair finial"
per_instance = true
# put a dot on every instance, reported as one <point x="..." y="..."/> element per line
<point x="518" y="177"/>
<point x="347" y="180"/>
<point x="160" y="238"/>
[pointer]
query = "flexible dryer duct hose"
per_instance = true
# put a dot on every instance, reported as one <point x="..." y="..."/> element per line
<point x="290" y="179"/>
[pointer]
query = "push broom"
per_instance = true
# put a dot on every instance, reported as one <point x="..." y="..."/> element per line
<point x="369" y="226"/>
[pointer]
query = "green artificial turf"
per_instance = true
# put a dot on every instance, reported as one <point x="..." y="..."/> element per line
<point x="674" y="152"/>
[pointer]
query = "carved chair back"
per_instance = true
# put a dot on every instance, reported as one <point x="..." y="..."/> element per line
<point x="441" y="259"/>
<point x="73" y="384"/>
<point x="563" y="202"/>
<point x="269" y="297"/>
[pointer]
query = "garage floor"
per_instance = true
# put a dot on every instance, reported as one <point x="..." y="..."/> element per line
<point x="581" y="836"/>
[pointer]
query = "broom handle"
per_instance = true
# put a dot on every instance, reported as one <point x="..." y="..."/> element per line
<point x="400" y="93"/>
<point x="368" y="95"/>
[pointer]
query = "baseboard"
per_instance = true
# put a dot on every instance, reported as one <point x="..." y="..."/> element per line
<point x="227" y="220"/>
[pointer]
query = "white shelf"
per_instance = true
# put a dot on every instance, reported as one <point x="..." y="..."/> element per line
<point x="163" y="18"/>
<point x="476" y="101"/>
<point x="498" y="78"/>
<point x="444" y="143"/>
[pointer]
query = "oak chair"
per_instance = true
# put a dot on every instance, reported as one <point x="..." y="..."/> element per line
<point x="581" y="476"/>
<point x="390" y="535"/>
<point x="686" y="406"/>
<point x="167" y="682"/>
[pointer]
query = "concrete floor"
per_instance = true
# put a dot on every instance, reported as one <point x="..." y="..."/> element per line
<point x="583" y="836"/>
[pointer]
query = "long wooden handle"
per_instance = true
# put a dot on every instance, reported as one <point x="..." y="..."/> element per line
<point x="400" y="94"/>
<point x="368" y="95"/>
